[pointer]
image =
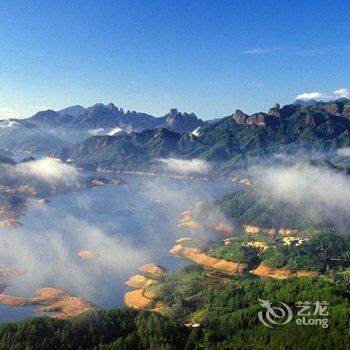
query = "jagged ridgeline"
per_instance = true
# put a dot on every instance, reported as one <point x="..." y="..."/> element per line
<point x="110" y="116"/>
<point x="258" y="207"/>
<point x="235" y="141"/>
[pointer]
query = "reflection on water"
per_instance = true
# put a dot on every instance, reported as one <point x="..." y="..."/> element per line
<point x="127" y="225"/>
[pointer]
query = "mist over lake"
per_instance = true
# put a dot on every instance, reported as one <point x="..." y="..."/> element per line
<point x="126" y="226"/>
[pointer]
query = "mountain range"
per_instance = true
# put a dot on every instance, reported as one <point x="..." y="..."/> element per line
<point x="104" y="117"/>
<point x="48" y="130"/>
<point x="106" y="136"/>
<point x="231" y="142"/>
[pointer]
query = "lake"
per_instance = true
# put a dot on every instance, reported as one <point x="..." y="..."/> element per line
<point x="127" y="226"/>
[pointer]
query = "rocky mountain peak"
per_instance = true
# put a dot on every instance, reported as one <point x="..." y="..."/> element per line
<point x="111" y="107"/>
<point x="239" y="117"/>
<point x="275" y="111"/>
<point x="182" y="122"/>
<point x="74" y="111"/>
<point x="174" y="112"/>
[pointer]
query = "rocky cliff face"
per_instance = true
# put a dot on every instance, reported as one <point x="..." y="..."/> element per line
<point x="181" y="122"/>
<point x="198" y="257"/>
<point x="144" y="296"/>
<point x="140" y="299"/>
<point x="239" y="117"/>
<point x="190" y="222"/>
<point x="314" y="114"/>
<point x="281" y="273"/>
<point x="55" y="300"/>
<point x="260" y="119"/>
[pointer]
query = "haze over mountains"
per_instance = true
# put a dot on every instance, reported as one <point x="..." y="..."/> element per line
<point x="48" y="130"/>
<point x="22" y="135"/>
<point x="231" y="142"/>
<point x="106" y="136"/>
<point x="109" y="116"/>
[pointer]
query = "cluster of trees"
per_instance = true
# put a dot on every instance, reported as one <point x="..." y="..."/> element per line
<point x="235" y="251"/>
<point x="225" y="307"/>
<point x="107" y="329"/>
<point x="323" y="251"/>
<point x="227" y="313"/>
<point x="230" y="314"/>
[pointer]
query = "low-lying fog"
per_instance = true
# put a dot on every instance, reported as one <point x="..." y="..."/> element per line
<point x="133" y="224"/>
<point x="127" y="226"/>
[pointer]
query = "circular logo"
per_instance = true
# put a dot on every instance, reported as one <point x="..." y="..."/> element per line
<point x="274" y="315"/>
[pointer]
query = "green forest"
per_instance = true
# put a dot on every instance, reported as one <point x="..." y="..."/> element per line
<point x="224" y="308"/>
<point x="228" y="143"/>
<point x="227" y="313"/>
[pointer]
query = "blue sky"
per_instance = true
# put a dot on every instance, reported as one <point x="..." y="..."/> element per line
<point x="207" y="57"/>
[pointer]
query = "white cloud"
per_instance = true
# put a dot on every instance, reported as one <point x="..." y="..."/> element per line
<point x="326" y="193"/>
<point x="196" y="131"/>
<point x="94" y="132"/>
<point x="317" y="95"/>
<point x="342" y="93"/>
<point x="311" y="96"/>
<point x="49" y="170"/>
<point x="46" y="246"/>
<point x="102" y="131"/>
<point x="345" y="152"/>
<point x="9" y="124"/>
<point x="6" y="112"/>
<point x="186" y="166"/>
<point x="114" y="131"/>
<point x="46" y="250"/>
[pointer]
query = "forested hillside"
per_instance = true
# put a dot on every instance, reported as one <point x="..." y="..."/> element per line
<point x="231" y="142"/>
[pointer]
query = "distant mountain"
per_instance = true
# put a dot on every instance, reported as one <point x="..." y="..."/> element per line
<point x="234" y="141"/>
<point x="107" y="117"/>
<point x="50" y="119"/>
<point x="180" y="122"/>
<point x="125" y="150"/>
<point x="305" y="102"/>
<point x="74" y="111"/>
<point x="22" y="135"/>
<point x="5" y="160"/>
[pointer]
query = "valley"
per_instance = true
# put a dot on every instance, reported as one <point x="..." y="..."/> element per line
<point x="185" y="228"/>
